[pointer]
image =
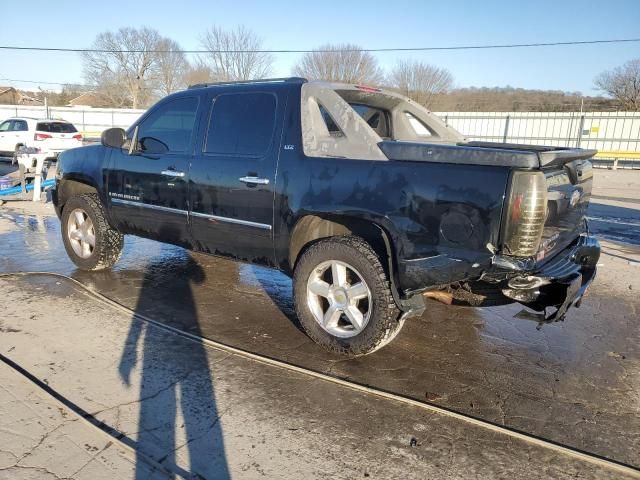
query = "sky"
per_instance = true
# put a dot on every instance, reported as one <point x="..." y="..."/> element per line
<point x="296" y="24"/>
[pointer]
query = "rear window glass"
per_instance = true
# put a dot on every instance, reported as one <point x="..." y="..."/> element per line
<point x="418" y="127"/>
<point x="56" y="127"/>
<point x="376" y="118"/>
<point x="241" y="124"/>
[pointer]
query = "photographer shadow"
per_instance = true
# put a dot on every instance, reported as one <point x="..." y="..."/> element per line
<point x="178" y="418"/>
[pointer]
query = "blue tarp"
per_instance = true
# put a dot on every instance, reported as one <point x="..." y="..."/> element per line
<point x="18" y="189"/>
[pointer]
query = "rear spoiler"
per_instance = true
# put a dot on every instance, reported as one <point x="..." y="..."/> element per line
<point x="548" y="156"/>
<point x="484" y="153"/>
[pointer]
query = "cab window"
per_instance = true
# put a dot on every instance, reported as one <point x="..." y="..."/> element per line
<point x="4" y="126"/>
<point x="169" y="128"/>
<point x="241" y="124"/>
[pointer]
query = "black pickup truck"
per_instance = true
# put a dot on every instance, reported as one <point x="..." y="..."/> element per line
<point x="364" y="197"/>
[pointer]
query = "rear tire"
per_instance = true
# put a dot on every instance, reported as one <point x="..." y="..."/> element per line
<point x="343" y="297"/>
<point x="90" y="242"/>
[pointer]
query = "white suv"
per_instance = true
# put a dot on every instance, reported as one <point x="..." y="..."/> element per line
<point x="50" y="136"/>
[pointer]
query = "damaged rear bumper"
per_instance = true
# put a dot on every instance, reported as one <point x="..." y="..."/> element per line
<point x="558" y="284"/>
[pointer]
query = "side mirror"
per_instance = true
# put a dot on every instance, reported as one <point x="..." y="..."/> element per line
<point x="113" y="137"/>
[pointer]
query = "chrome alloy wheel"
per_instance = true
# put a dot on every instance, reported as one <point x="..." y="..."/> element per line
<point x="339" y="298"/>
<point x="81" y="233"/>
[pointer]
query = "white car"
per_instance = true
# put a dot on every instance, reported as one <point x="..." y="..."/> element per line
<point x="49" y="136"/>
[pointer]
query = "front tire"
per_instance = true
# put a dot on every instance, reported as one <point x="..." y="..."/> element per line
<point x="90" y="242"/>
<point x="343" y="297"/>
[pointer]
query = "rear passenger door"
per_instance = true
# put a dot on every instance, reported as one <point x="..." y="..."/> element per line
<point x="233" y="173"/>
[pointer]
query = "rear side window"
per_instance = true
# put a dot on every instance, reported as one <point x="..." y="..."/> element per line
<point x="169" y="127"/>
<point x="55" y="127"/>
<point x="241" y="124"/>
<point x="20" y="126"/>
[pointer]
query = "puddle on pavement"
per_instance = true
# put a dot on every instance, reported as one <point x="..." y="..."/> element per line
<point x="576" y="382"/>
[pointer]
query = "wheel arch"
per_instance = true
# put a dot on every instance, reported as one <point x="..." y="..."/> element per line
<point x="313" y="227"/>
<point x="70" y="187"/>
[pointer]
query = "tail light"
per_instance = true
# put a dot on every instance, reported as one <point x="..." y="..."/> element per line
<point x="78" y="136"/>
<point x="41" y="136"/>
<point x="523" y="223"/>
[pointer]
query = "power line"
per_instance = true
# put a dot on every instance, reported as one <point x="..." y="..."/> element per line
<point x="399" y="49"/>
<point x="35" y="82"/>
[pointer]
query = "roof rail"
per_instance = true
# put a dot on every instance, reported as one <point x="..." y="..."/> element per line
<point x="250" y="82"/>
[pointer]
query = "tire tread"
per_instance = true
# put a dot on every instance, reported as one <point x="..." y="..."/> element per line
<point x="387" y="323"/>
<point x="109" y="241"/>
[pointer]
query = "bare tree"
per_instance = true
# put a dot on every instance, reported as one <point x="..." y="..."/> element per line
<point x="420" y="81"/>
<point x="623" y="84"/>
<point x="125" y="62"/>
<point x="234" y="54"/>
<point x="199" y="72"/>
<point x="62" y="98"/>
<point x="339" y="63"/>
<point x="112" y="89"/>
<point x="172" y="66"/>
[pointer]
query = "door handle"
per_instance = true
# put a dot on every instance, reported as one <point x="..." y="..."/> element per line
<point x="255" y="180"/>
<point x="172" y="173"/>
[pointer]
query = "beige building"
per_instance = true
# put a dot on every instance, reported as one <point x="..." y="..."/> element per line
<point x="88" y="99"/>
<point x="9" y="96"/>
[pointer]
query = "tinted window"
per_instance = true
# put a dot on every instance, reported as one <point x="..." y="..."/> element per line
<point x="4" y="126"/>
<point x="55" y="127"/>
<point x="169" y="127"/>
<point x="241" y="124"/>
<point x="19" y="126"/>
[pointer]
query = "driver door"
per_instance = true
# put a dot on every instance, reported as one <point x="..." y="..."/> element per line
<point x="148" y="189"/>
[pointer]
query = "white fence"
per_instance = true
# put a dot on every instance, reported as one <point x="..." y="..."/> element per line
<point x="604" y="131"/>
<point x="91" y="121"/>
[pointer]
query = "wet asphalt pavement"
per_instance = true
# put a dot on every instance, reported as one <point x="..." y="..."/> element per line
<point x="575" y="382"/>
